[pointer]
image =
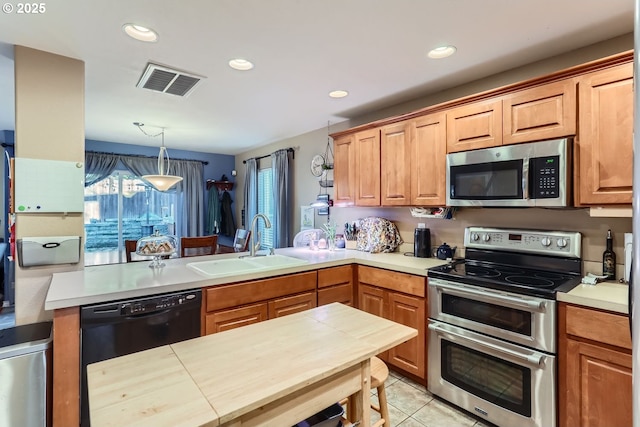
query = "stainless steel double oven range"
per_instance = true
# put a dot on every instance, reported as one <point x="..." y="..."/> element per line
<point x="492" y="323"/>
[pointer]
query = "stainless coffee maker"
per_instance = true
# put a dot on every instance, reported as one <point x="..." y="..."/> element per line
<point x="422" y="243"/>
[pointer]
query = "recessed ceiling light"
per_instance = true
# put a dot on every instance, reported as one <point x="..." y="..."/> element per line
<point x="240" y="64"/>
<point x="141" y="33"/>
<point x="441" y="52"/>
<point x="338" y="93"/>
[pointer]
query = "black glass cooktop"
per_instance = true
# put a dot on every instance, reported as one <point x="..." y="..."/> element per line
<point x="524" y="279"/>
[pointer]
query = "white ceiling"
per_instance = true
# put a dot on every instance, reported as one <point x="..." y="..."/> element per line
<point x="302" y="49"/>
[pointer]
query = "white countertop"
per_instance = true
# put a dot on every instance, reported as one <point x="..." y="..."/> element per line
<point x="135" y="279"/>
<point x="611" y="296"/>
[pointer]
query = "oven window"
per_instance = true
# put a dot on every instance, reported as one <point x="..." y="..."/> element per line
<point x="505" y="318"/>
<point x="487" y="181"/>
<point x="497" y="381"/>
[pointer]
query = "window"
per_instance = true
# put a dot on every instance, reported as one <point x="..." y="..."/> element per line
<point x="265" y="206"/>
<point x="121" y="207"/>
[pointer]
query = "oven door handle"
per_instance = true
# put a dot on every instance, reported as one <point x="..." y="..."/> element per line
<point x="493" y="298"/>
<point x="533" y="360"/>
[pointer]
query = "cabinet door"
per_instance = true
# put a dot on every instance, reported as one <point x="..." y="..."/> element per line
<point x="344" y="170"/>
<point x="367" y="168"/>
<point x="476" y="125"/>
<point x="395" y="165"/>
<point x="544" y="112"/>
<point x="598" y="386"/>
<point x="371" y="300"/>
<point x="605" y="144"/>
<point x="293" y="304"/>
<point x="410" y="355"/>
<point x="234" y="318"/>
<point x="428" y="160"/>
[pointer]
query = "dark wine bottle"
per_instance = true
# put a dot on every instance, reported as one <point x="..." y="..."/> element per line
<point x="609" y="259"/>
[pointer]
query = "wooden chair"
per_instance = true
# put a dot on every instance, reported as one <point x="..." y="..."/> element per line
<point x="379" y="374"/>
<point x="197" y="246"/>
<point x="130" y="248"/>
<point x="240" y="242"/>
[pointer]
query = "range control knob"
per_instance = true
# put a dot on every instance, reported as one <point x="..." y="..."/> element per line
<point x="545" y="241"/>
<point x="561" y="242"/>
<point x="474" y="237"/>
<point x="486" y="237"/>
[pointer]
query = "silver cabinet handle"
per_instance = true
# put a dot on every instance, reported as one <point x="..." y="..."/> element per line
<point x="490" y="297"/>
<point x="534" y="360"/>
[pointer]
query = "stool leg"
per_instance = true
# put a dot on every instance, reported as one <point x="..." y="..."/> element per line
<point x="384" y="408"/>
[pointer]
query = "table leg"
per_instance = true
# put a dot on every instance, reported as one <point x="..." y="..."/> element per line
<point x="359" y="408"/>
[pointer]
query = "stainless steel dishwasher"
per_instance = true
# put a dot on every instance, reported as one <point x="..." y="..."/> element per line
<point x="121" y="327"/>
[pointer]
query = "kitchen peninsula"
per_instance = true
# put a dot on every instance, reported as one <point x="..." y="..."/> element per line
<point x="70" y="290"/>
<point x="277" y="372"/>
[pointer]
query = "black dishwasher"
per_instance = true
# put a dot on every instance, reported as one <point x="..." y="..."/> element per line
<point x="118" y="328"/>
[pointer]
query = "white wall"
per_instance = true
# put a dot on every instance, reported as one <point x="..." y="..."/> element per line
<point x="49" y="125"/>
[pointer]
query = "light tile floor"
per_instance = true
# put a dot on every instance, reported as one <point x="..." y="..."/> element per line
<point x="411" y="405"/>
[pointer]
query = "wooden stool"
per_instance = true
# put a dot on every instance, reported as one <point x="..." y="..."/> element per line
<point x="379" y="374"/>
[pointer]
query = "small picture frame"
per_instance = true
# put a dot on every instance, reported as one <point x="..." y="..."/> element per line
<point x="325" y="210"/>
<point x="307" y="220"/>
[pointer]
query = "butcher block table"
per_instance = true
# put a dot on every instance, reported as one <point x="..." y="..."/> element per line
<point x="274" y="373"/>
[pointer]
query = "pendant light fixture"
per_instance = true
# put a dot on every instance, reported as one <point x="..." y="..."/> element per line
<point x="161" y="181"/>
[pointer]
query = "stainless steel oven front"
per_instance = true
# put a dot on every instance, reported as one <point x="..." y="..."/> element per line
<point x="493" y="353"/>
<point x="506" y="384"/>
<point x="522" y="319"/>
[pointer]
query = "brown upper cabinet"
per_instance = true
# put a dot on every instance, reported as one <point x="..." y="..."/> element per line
<point x="344" y="170"/>
<point x="395" y="161"/>
<point x="604" y="147"/>
<point x="428" y="160"/>
<point x="475" y="125"/>
<point x="367" y="167"/>
<point x="543" y="112"/>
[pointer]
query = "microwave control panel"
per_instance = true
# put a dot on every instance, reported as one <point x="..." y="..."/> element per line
<point x="544" y="175"/>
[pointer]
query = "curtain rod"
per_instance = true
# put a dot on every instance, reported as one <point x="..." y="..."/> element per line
<point x="289" y="150"/>
<point x="145" y="156"/>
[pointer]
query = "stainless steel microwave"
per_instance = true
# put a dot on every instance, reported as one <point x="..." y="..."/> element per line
<point x="521" y="175"/>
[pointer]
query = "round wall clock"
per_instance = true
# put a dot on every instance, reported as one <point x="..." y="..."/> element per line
<point x="317" y="165"/>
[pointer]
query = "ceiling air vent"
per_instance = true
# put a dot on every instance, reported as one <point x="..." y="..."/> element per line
<point x="164" y="79"/>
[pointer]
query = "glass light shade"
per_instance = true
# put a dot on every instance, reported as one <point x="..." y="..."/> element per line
<point x="162" y="182"/>
<point x="319" y="204"/>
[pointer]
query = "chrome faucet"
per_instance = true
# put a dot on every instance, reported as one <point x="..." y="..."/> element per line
<point x="253" y="246"/>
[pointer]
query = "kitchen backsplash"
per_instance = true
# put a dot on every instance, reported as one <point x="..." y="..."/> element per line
<point x="594" y="230"/>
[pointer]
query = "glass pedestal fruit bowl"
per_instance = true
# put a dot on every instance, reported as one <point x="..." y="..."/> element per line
<point x="158" y="246"/>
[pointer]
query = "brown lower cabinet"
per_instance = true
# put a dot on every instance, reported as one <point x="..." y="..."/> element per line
<point x="594" y="368"/>
<point x="335" y="284"/>
<point x="399" y="297"/>
<point x="240" y="304"/>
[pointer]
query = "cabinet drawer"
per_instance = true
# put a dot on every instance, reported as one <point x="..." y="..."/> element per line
<point x="238" y="294"/>
<point x="401" y="282"/>
<point x="235" y="318"/>
<point x="335" y="276"/>
<point x="293" y="304"/>
<point x="601" y="326"/>
<point x="338" y="293"/>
